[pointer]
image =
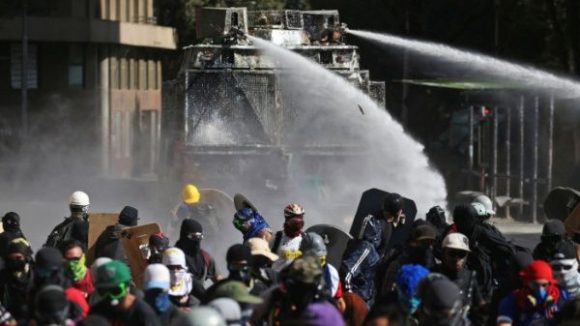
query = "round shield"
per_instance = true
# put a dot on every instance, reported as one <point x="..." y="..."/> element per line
<point x="335" y="240"/>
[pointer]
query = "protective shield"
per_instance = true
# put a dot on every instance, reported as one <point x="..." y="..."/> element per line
<point x="335" y="240"/>
<point x="98" y="222"/>
<point x="560" y="202"/>
<point x="371" y="202"/>
<point x="240" y="201"/>
<point x="135" y="240"/>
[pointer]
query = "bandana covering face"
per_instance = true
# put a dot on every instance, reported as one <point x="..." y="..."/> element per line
<point x="566" y="272"/>
<point x="181" y="283"/>
<point x="78" y="268"/>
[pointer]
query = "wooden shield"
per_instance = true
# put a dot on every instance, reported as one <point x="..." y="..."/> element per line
<point x="133" y="240"/>
<point x="98" y="222"/>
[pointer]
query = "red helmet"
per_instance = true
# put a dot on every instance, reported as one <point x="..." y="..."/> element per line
<point x="293" y="210"/>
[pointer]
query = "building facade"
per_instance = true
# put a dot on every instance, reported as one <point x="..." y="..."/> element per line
<point x="93" y="83"/>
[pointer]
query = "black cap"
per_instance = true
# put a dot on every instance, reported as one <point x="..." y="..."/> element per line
<point x="393" y="203"/>
<point x="522" y="259"/>
<point x="48" y="258"/>
<point x="190" y="226"/>
<point x="438" y="292"/>
<point x="50" y="300"/>
<point x="553" y="228"/>
<point x="465" y="218"/>
<point x="564" y="250"/>
<point x="129" y="216"/>
<point x="239" y="252"/>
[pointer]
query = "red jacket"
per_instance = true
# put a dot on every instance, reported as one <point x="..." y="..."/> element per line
<point x="85" y="284"/>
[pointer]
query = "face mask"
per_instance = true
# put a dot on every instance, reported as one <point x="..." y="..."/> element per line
<point x="293" y="226"/>
<point x="242" y="274"/>
<point x="18" y="267"/>
<point x="181" y="283"/>
<point x="78" y="268"/>
<point x="540" y="294"/>
<point x="158" y="299"/>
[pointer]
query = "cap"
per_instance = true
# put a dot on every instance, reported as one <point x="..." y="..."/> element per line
<point x="423" y="232"/>
<point x="48" y="258"/>
<point x="321" y="314"/>
<point x="237" y="291"/>
<point x="174" y="256"/>
<point x="305" y="269"/>
<point x="129" y="216"/>
<point x="259" y="246"/>
<point x="156" y="276"/>
<point x="564" y="250"/>
<point x="553" y="227"/>
<point x="456" y="241"/>
<point x="159" y="240"/>
<point x="229" y="309"/>
<point x="112" y="274"/>
<point x="537" y="270"/>
<point x="238" y="252"/>
<point x="437" y="292"/>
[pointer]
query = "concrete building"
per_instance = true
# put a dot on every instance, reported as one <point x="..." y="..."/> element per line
<point x="93" y="79"/>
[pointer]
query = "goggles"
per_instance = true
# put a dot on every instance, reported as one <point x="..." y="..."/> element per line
<point x="113" y="293"/>
<point x="561" y="267"/>
<point x="195" y="236"/>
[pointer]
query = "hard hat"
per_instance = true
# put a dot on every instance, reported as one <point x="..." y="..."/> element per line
<point x="79" y="198"/>
<point x="205" y="316"/>
<point x="486" y="202"/>
<point x="190" y="194"/>
<point x="313" y="243"/>
<point x="480" y="209"/>
<point x="293" y="210"/>
<point x="456" y="241"/>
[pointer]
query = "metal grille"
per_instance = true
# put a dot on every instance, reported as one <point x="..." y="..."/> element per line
<point x="294" y="19"/>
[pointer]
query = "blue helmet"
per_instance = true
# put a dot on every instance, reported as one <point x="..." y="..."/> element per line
<point x="249" y="222"/>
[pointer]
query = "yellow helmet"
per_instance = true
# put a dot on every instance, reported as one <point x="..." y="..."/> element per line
<point x="190" y="194"/>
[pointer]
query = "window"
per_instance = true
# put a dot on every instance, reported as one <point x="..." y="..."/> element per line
<point x="16" y="66"/>
<point x="76" y="66"/>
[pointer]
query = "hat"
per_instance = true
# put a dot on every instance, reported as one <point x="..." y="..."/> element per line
<point x="239" y="252"/>
<point x="129" y="216"/>
<point x="237" y="291"/>
<point x="159" y="240"/>
<point x="423" y="232"/>
<point x="49" y="300"/>
<point x="537" y="270"/>
<point x="480" y="210"/>
<point x="11" y="218"/>
<point x="456" y="241"/>
<point x="393" y="203"/>
<point x="321" y="314"/>
<point x="174" y="256"/>
<point x="19" y="245"/>
<point x="408" y="278"/>
<point x="259" y="246"/>
<point x="229" y="309"/>
<point x="112" y="274"/>
<point x="305" y="269"/>
<point x="49" y="259"/>
<point x="438" y="292"/>
<point x="156" y="276"/>
<point x="553" y="227"/>
<point x="564" y="250"/>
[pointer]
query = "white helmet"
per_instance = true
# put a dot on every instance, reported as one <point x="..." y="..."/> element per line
<point x="486" y="202"/>
<point x="79" y="198"/>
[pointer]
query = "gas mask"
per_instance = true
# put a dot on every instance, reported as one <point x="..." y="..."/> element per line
<point x="113" y="295"/>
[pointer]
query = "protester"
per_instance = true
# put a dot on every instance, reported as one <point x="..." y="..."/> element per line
<point x="11" y="227"/>
<point x="156" y="282"/>
<point x="252" y="224"/>
<point x="199" y="262"/>
<point x="73" y="252"/>
<point x="51" y="307"/>
<point x="286" y="243"/>
<point x="565" y="267"/>
<point x="538" y="300"/>
<point x="229" y="309"/>
<point x="407" y="280"/>
<point x="16" y="279"/>
<point x="158" y="243"/>
<point x="181" y="287"/>
<point x="109" y="242"/>
<point x="119" y="305"/>
<point x="240" y="293"/>
<point x="262" y="259"/>
<point x="79" y="207"/>
<point x="441" y="302"/>
<point x="553" y="233"/>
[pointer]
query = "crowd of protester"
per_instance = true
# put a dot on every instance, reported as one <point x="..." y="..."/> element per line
<point x="432" y="273"/>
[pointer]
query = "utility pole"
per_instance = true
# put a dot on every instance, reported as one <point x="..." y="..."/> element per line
<point x="24" y="72"/>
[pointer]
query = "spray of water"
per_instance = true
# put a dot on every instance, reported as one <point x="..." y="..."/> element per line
<point x="520" y="76"/>
<point x="328" y="111"/>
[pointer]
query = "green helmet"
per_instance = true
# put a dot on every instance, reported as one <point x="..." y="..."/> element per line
<point x="112" y="274"/>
